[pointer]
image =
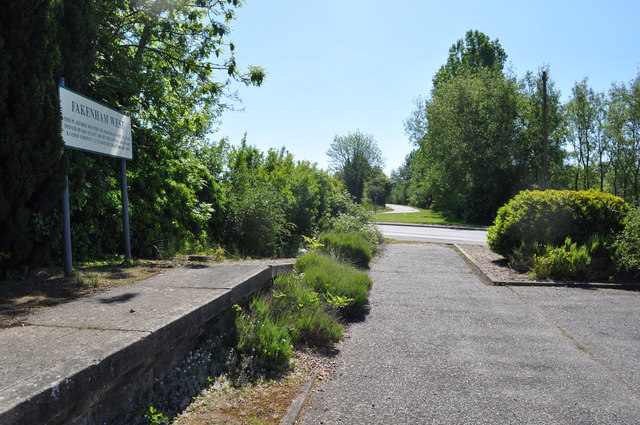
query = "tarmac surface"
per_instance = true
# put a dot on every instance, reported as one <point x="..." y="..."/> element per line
<point x="440" y="347"/>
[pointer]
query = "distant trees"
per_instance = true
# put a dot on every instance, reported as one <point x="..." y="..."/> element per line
<point x="354" y="158"/>
<point x="478" y="137"/>
<point x="468" y="160"/>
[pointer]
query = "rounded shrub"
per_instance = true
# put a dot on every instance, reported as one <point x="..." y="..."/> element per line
<point x="548" y="217"/>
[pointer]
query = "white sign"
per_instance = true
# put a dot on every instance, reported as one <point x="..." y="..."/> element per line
<point x="91" y="126"/>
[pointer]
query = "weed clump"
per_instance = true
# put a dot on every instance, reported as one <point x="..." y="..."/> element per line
<point x="335" y="280"/>
<point x="349" y="246"/>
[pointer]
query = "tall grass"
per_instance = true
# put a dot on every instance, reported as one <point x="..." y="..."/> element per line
<point x="335" y="279"/>
<point x="349" y="246"/>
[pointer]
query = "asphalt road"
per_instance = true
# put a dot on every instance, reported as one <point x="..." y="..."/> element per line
<point x="434" y="234"/>
<point x="440" y="347"/>
<point x="396" y="209"/>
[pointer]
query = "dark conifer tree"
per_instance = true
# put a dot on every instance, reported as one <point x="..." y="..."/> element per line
<point x="31" y="147"/>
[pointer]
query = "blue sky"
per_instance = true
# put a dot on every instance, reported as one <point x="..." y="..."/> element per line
<point x="337" y="66"/>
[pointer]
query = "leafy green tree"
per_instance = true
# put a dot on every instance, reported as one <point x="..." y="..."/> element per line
<point x="31" y="147"/>
<point x="474" y="52"/>
<point x="169" y="65"/>
<point x="354" y="158"/>
<point x="169" y="62"/>
<point x="470" y="153"/>
<point x="378" y="188"/>
<point x="582" y="115"/>
<point x="623" y="131"/>
<point x="401" y="179"/>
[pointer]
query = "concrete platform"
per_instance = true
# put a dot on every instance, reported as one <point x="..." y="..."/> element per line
<point x="69" y="361"/>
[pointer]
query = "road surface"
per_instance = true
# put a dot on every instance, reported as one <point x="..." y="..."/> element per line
<point x="396" y="209"/>
<point x="434" y="234"/>
<point x="440" y="347"/>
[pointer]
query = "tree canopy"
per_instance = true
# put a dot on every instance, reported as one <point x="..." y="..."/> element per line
<point x="470" y="54"/>
<point x="479" y="136"/>
<point x="354" y="159"/>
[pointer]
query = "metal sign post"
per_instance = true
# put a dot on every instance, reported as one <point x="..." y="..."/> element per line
<point x="125" y="208"/>
<point x="93" y="127"/>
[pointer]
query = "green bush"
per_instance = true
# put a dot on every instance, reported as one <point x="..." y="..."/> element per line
<point x="339" y="283"/>
<point x="569" y="261"/>
<point x="549" y="217"/>
<point x="349" y="217"/>
<point x="349" y="246"/>
<point x="627" y="245"/>
<point x="307" y="318"/>
<point x="260" y="335"/>
<point x="293" y="314"/>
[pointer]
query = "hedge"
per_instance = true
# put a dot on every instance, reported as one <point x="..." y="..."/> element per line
<point x="550" y="217"/>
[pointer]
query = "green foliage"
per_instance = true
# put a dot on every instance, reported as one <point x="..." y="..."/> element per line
<point x="470" y="162"/>
<point x="262" y="336"/>
<point x="549" y="217"/>
<point x="354" y="158"/>
<point x="378" y="188"/>
<point x="475" y="52"/>
<point x="326" y="276"/>
<point x="350" y="246"/>
<point x="354" y="218"/>
<point x="31" y="147"/>
<point x="293" y="314"/>
<point x="627" y="245"/>
<point x="568" y="261"/>
<point x="531" y="151"/>
<point x="309" y="320"/>
<point x="591" y="260"/>
<point x="155" y="417"/>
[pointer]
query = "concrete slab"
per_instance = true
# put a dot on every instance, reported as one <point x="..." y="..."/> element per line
<point x="76" y="356"/>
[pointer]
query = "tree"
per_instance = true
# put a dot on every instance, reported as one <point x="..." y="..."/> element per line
<point x="169" y="65"/>
<point x="582" y="114"/>
<point x="31" y="147"/>
<point x="378" y="188"/>
<point x="169" y="62"/>
<point x="354" y="158"/>
<point x="470" y="152"/>
<point x="623" y="132"/>
<point x="476" y="51"/>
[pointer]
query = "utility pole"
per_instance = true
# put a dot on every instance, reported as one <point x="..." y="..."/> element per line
<point x="545" y="134"/>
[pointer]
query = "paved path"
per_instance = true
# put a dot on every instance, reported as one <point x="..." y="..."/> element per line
<point x="396" y="209"/>
<point x="440" y="347"/>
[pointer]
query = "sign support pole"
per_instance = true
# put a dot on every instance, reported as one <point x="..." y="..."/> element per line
<point x="66" y="235"/>
<point x="125" y="205"/>
<point x="125" y="208"/>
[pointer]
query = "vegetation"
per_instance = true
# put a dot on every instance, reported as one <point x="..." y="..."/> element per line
<point x="627" y="245"/>
<point x="478" y="137"/>
<point x="424" y="216"/>
<point x="335" y="280"/>
<point x="304" y="308"/>
<point x="564" y="234"/>
<point x="348" y="246"/>
<point x="356" y="159"/>
<point x="549" y="217"/>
